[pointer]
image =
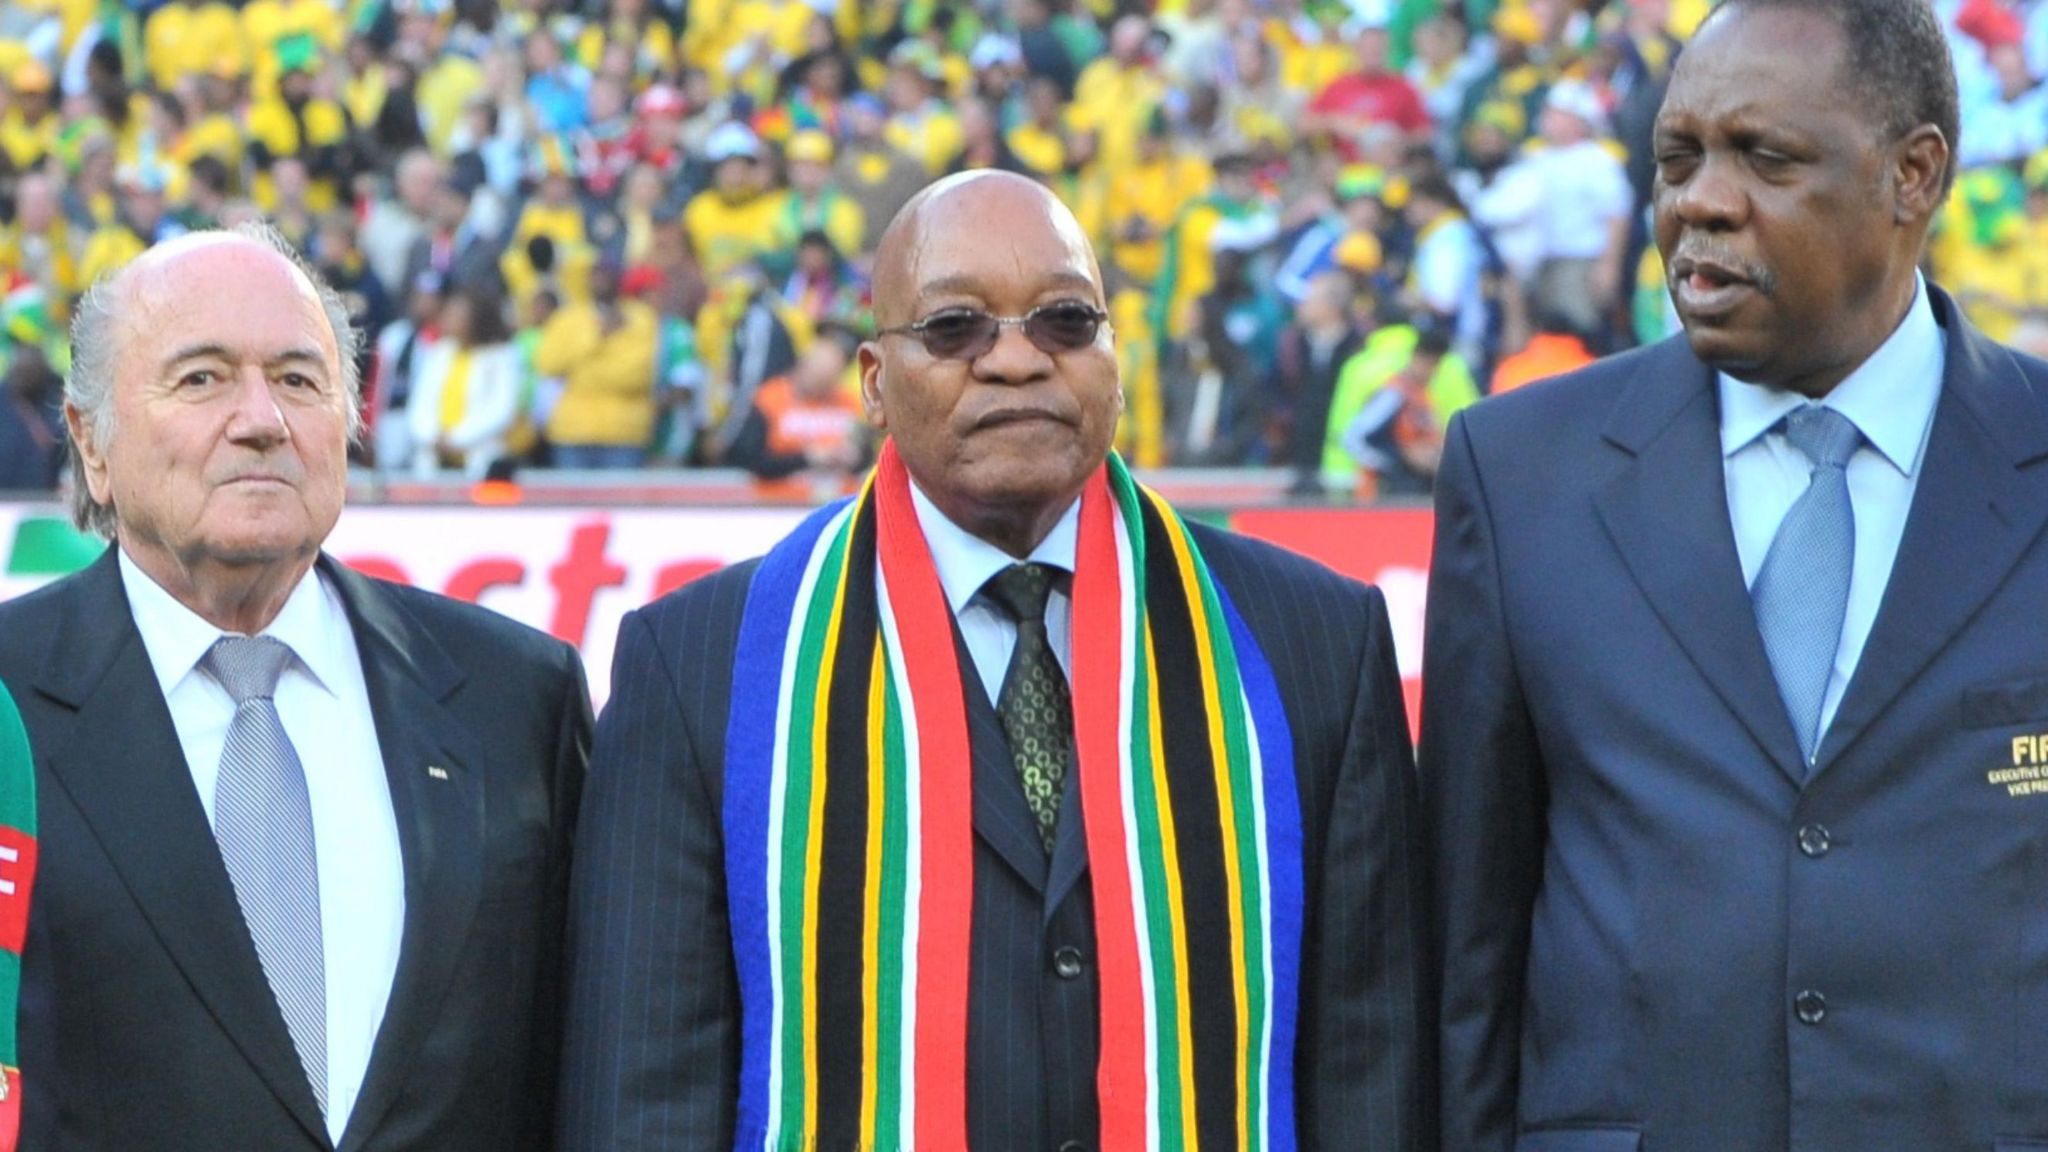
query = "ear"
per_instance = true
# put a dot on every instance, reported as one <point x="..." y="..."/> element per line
<point x="91" y="453"/>
<point x="1920" y="160"/>
<point x="869" y="357"/>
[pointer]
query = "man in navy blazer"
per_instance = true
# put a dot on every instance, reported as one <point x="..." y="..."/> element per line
<point x="1689" y="902"/>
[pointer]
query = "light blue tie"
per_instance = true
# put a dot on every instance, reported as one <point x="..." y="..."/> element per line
<point x="263" y="821"/>
<point x="1802" y="591"/>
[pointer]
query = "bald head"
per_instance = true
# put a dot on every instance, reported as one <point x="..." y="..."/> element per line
<point x="984" y="202"/>
<point x="1001" y="434"/>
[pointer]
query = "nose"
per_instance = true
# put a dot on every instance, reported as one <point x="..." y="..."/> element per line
<point x="1013" y="359"/>
<point x="1712" y="199"/>
<point x="256" y="420"/>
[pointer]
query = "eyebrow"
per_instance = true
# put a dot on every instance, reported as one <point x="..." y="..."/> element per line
<point x="969" y="285"/>
<point x="300" y="355"/>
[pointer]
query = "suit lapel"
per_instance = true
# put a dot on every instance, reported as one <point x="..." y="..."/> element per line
<point x="1667" y="513"/>
<point x="1002" y="818"/>
<point x="434" y="766"/>
<point x="125" y="771"/>
<point x="1976" y="509"/>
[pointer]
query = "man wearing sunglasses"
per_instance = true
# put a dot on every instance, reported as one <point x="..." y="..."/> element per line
<point x="999" y="807"/>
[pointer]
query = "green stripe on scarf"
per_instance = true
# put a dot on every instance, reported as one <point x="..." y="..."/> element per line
<point x="1211" y="790"/>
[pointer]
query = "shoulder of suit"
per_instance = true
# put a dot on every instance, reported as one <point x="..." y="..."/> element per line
<point x="470" y="632"/>
<point x="1235" y="557"/>
<point x="718" y="593"/>
<point x="1544" y="415"/>
<point x="28" y="626"/>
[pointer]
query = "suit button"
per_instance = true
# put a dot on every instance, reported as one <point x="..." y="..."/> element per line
<point x="1815" y="841"/>
<point x="1073" y="1146"/>
<point x="1066" y="964"/>
<point x="1811" y="1006"/>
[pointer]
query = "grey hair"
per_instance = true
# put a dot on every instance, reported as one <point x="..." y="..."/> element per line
<point x="90" y="385"/>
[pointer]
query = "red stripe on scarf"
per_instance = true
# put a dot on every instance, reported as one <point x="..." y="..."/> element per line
<point x="946" y="803"/>
<point x="1099" y="633"/>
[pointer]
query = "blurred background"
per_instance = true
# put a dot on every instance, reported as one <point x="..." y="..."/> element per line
<point x="612" y="255"/>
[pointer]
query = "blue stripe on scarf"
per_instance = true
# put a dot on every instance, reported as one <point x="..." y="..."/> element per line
<point x="749" y="770"/>
<point x="1283" y="856"/>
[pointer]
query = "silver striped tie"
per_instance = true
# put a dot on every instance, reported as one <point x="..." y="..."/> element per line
<point x="263" y="821"/>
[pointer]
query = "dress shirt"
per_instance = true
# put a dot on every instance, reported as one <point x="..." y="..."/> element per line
<point x="965" y="563"/>
<point x="1891" y="398"/>
<point x="325" y="707"/>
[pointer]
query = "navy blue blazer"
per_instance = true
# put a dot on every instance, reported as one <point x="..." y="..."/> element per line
<point x="651" y="1062"/>
<point x="1656" y="937"/>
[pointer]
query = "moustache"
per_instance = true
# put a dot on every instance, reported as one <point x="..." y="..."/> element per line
<point x="1722" y="262"/>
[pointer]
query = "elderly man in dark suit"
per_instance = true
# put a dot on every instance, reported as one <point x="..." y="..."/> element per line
<point x="1732" y="738"/>
<point x="999" y="807"/>
<point x="305" y="835"/>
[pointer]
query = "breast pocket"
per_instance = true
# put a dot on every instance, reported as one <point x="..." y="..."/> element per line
<point x="2007" y="703"/>
<point x="1580" y="1140"/>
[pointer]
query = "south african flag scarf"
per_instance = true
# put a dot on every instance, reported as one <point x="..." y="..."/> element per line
<point x="849" y="840"/>
<point x="17" y="874"/>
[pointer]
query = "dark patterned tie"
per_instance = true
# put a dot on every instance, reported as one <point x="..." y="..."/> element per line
<point x="1037" y="713"/>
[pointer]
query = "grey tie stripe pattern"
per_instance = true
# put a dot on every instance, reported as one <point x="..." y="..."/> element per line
<point x="263" y="822"/>
<point x="1802" y="592"/>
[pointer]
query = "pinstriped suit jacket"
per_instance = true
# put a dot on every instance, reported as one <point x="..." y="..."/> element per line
<point x="652" y="1056"/>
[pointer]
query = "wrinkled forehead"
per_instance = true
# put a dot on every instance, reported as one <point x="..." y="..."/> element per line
<point x="220" y="281"/>
<point x="999" y="241"/>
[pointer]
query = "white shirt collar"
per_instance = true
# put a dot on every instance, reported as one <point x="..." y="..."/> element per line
<point x="177" y="638"/>
<point x="966" y="561"/>
<point x="1890" y="396"/>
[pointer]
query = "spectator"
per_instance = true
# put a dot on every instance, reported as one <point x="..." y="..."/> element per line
<point x="806" y="421"/>
<point x="2009" y="123"/>
<point x="1572" y="193"/>
<point x="823" y="286"/>
<point x="1117" y="98"/>
<point x="871" y="171"/>
<point x="1393" y="401"/>
<point x="30" y="124"/>
<point x="1313" y="350"/>
<point x="467" y="387"/>
<point x="398" y="348"/>
<point x="342" y="264"/>
<point x="813" y="202"/>
<point x="1448" y="277"/>
<point x="604" y="352"/>
<point x="32" y="445"/>
<point x="454" y="248"/>
<point x="1045" y="55"/>
<point x="1371" y="94"/>
<point x="1146" y="199"/>
<point x="920" y="123"/>
<point x="397" y="222"/>
<point x="298" y="124"/>
<point x="732" y="221"/>
<point x="1442" y="71"/>
<point x="1554" y="350"/>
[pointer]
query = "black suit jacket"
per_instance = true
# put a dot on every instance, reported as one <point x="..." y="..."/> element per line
<point x="145" y="1012"/>
<point x="652" y="1056"/>
<point x="1663" y="933"/>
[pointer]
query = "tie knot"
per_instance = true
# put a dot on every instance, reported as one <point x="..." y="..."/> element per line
<point x="1022" y="590"/>
<point x="1826" y="436"/>
<point x="247" y="666"/>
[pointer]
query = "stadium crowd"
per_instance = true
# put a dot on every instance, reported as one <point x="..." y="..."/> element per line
<point x="618" y="233"/>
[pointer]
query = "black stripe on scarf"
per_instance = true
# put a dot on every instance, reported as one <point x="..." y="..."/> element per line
<point x="1191" y="773"/>
<point x="842" y="880"/>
